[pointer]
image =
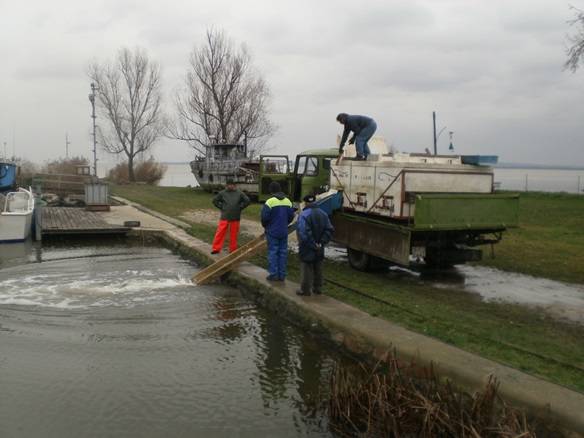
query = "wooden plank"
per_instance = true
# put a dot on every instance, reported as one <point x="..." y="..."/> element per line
<point x="228" y="262"/>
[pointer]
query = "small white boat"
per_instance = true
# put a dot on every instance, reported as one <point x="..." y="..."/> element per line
<point x="16" y="210"/>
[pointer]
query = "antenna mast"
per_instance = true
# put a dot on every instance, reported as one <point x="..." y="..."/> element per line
<point x="93" y="116"/>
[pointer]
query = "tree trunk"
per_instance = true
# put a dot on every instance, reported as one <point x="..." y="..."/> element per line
<point x="131" y="175"/>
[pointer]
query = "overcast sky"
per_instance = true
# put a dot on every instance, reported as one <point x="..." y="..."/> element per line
<point x="491" y="69"/>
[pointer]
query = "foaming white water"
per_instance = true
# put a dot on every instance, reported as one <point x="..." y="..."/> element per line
<point x="67" y="291"/>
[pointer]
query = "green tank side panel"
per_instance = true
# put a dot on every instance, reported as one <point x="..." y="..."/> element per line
<point x="378" y="238"/>
<point x="466" y="211"/>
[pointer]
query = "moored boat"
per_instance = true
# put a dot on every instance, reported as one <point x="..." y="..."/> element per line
<point x="226" y="161"/>
<point x="16" y="211"/>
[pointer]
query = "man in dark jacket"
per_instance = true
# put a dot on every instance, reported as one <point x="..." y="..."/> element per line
<point x="231" y="202"/>
<point x="277" y="213"/>
<point x="314" y="232"/>
<point x="362" y="127"/>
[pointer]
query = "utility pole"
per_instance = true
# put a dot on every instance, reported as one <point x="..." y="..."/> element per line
<point x="67" y="143"/>
<point x="93" y="116"/>
<point x="435" y="140"/>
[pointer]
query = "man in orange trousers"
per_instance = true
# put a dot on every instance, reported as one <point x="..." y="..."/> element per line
<point x="231" y="202"/>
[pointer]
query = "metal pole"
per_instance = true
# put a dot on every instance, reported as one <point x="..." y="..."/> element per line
<point x="526" y="182"/>
<point x="93" y="116"/>
<point x="578" y="191"/>
<point x="67" y="143"/>
<point x="434" y="120"/>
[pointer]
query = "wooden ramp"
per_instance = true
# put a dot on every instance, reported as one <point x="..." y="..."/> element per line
<point x="241" y="254"/>
<point x="69" y="220"/>
<point x="227" y="263"/>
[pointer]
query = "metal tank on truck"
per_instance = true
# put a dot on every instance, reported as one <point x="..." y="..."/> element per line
<point x="401" y="208"/>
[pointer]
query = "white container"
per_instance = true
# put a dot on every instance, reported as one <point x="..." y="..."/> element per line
<point x="97" y="193"/>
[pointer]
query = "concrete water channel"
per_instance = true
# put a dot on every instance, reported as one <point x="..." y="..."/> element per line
<point x="103" y="338"/>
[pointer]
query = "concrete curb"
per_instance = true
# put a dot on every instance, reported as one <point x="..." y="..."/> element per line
<point x="362" y="333"/>
<point x="170" y="220"/>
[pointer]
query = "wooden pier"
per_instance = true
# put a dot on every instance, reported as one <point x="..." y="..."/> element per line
<point x="69" y="220"/>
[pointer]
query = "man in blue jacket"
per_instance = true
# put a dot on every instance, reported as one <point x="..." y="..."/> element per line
<point x="362" y="127"/>
<point x="314" y="232"/>
<point x="277" y="213"/>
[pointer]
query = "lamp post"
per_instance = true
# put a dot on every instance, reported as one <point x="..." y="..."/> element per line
<point x="437" y="136"/>
<point x="93" y="116"/>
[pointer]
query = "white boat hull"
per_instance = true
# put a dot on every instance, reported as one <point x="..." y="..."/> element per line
<point x="15" y="227"/>
<point x="16" y="216"/>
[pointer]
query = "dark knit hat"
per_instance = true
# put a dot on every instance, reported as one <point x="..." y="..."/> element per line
<point x="275" y="187"/>
<point x="342" y="117"/>
<point x="229" y="181"/>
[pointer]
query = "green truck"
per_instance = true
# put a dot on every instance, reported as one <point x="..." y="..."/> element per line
<point x="400" y="208"/>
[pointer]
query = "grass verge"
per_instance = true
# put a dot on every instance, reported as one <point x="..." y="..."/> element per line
<point x="524" y="338"/>
<point x="549" y="241"/>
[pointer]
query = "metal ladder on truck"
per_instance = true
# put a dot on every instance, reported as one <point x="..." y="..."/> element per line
<point x="251" y="248"/>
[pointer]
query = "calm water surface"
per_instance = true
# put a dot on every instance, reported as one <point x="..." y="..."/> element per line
<point x="111" y="340"/>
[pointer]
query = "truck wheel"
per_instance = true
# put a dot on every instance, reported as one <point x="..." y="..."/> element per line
<point x="358" y="259"/>
<point x="362" y="261"/>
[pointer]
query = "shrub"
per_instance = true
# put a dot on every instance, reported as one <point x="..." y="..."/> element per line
<point x="149" y="171"/>
<point x="64" y="165"/>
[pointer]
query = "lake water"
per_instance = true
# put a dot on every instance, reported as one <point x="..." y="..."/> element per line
<point x="545" y="180"/>
<point x="112" y="340"/>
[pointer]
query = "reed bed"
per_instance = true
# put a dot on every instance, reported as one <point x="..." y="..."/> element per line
<point x="400" y="400"/>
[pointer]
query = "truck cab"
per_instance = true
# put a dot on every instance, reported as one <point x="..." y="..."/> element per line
<point x="308" y="174"/>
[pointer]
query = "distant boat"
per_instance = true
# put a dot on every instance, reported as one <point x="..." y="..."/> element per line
<point x="223" y="162"/>
<point x="16" y="210"/>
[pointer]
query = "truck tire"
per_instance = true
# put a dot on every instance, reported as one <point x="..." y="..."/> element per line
<point x="358" y="260"/>
<point x="361" y="261"/>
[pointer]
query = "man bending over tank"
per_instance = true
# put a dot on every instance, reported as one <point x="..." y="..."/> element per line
<point x="362" y="127"/>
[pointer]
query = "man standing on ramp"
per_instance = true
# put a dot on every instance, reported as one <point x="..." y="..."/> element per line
<point x="362" y="127"/>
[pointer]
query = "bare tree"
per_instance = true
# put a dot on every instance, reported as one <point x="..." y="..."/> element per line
<point x="129" y="98"/>
<point x="224" y="100"/>
<point x="576" y="50"/>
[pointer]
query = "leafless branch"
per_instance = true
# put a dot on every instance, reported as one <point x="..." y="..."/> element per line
<point x="575" y="52"/>
<point x="223" y="98"/>
<point x="129" y="99"/>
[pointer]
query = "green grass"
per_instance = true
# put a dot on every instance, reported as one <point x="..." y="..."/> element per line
<point x="174" y="201"/>
<point x="549" y="241"/>
<point x="524" y="338"/>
